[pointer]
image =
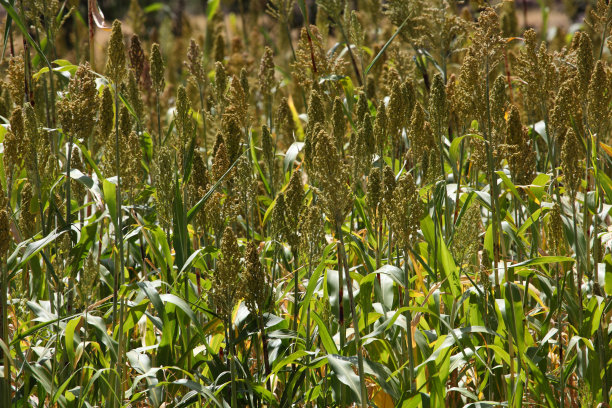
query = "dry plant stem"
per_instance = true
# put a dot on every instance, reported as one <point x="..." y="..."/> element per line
<point x="349" y="286"/>
<point x="119" y="275"/>
<point x="408" y="316"/>
<point x="5" y="385"/>
<point x="232" y="354"/>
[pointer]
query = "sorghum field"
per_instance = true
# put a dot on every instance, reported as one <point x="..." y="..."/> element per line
<point x="290" y="203"/>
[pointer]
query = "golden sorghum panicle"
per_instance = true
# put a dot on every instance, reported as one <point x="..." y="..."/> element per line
<point x="107" y="115"/>
<point x="499" y="102"/>
<point x="268" y="147"/>
<point x="362" y="107"/>
<point x="27" y="219"/>
<point x="406" y="211"/>
<point x="396" y="112"/>
<point x="380" y="127"/>
<point x="157" y="67"/>
<point x="16" y="79"/>
<point x="5" y="234"/>
<point x="536" y="68"/>
<point x="77" y="111"/>
<point x="137" y="56"/>
<point x="6" y="102"/>
<point x="332" y="177"/>
<point x="388" y="186"/>
<point x="116" y="63"/>
<point x="219" y="47"/>
<point x="293" y="206"/>
<point x="32" y="141"/>
<point x="195" y="63"/>
<point x="163" y="181"/>
<point x="227" y="282"/>
<point x="438" y="111"/>
<point x="238" y="104"/>
<point x="312" y="61"/>
<point x="564" y="110"/>
<point x="266" y="72"/>
<point x="367" y="130"/>
<point x="184" y="124"/>
<point x="570" y="163"/>
<point x="519" y="152"/>
<point x="134" y="97"/>
<point x="278" y="225"/>
<point x="246" y="183"/>
<point x="465" y="239"/>
<point x="78" y="189"/>
<point x="255" y="280"/>
<point x="232" y="136"/>
<point x="199" y="184"/>
<point x="15" y="141"/>
<point x="554" y="232"/>
<point x="374" y="188"/>
<point x="284" y="124"/>
<point x="338" y="124"/>
<point x="131" y="157"/>
<point x="220" y="162"/>
<point x="599" y="97"/>
<point x="420" y="135"/>
<point x="312" y="231"/>
<point x="584" y="62"/>
<point x="220" y="83"/>
<point x="244" y="83"/>
<point x="315" y="112"/>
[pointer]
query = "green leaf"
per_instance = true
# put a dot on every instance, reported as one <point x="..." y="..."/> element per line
<point x="345" y="373"/>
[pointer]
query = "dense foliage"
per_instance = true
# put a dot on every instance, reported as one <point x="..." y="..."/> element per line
<point x="404" y="203"/>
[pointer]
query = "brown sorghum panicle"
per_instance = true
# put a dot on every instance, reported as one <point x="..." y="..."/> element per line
<point x="584" y="63"/>
<point x="219" y="50"/>
<point x="137" y="56"/>
<point x="278" y="225"/>
<point x="5" y="234"/>
<point x="599" y="97"/>
<point x="232" y="136"/>
<point x="293" y="200"/>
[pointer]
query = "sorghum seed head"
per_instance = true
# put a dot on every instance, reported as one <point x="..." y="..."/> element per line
<point x="5" y="234"/>
<point x="266" y="72"/>
<point x="137" y="56"/>
<point x="374" y="188"/>
<point x="255" y="280"/>
<point x="156" y="65"/>
<point x="570" y="162"/>
<point x="406" y="211"/>
<point x="284" y="125"/>
<point x="116" y="63"/>
<point x="195" y="63"/>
